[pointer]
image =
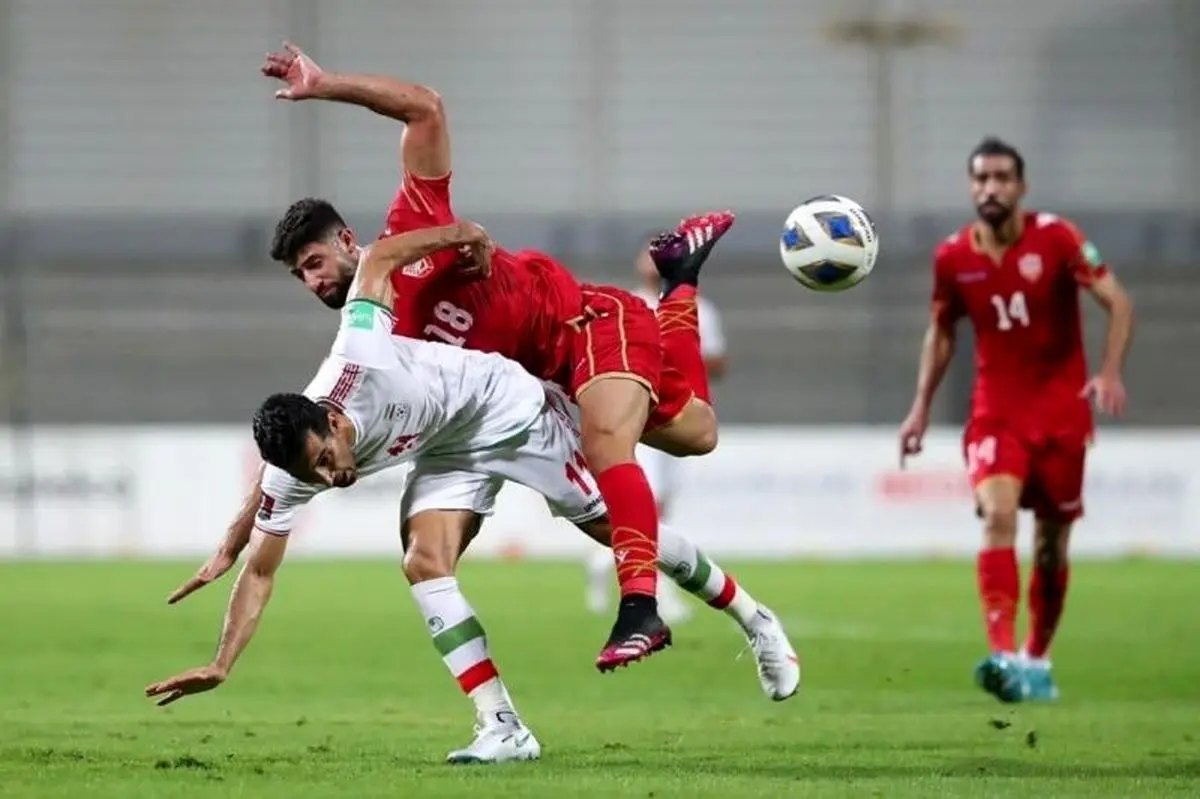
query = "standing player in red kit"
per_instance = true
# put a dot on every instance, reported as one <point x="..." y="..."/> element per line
<point x="1016" y="275"/>
<point x="631" y="380"/>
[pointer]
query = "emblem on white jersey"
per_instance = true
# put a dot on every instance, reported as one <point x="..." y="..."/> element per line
<point x="395" y="411"/>
<point x="266" y="507"/>
<point x="420" y="269"/>
<point x="1030" y="266"/>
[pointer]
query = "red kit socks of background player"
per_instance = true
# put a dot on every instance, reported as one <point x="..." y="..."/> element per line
<point x="1000" y="592"/>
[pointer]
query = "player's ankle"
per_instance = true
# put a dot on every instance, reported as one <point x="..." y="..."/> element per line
<point x="639" y="602"/>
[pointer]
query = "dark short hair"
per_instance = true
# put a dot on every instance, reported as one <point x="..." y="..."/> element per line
<point x="282" y="424"/>
<point x="993" y="145"/>
<point x="306" y="221"/>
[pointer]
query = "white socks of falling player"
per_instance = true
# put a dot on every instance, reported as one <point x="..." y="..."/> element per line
<point x="696" y="574"/>
<point x="460" y="640"/>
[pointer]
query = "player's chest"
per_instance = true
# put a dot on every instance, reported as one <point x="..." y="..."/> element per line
<point x="1010" y="292"/>
<point x="403" y="427"/>
<point x="466" y="317"/>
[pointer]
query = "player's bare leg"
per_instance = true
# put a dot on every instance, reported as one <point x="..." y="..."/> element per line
<point x="690" y="569"/>
<point x="999" y="498"/>
<point x="1047" y="595"/>
<point x="433" y="542"/>
<point x="692" y="432"/>
<point x="613" y="410"/>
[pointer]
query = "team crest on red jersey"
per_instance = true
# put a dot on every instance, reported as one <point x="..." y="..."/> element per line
<point x="420" y="269"/>
<point x="1030" y="266"/>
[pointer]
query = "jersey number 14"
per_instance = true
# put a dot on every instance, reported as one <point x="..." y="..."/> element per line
<point x="1012" y="312"/>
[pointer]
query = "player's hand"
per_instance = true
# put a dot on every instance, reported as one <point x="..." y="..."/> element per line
<point x="192" y="681"/>
<point x="1107" y="391"/>
<point x="292" y="66"/>
<point x="212" y="570"/>
<point x="912" y="433"/>
<point x="476" y="252"/>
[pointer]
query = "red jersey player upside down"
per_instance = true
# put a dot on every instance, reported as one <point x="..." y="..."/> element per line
<point x="601" y="343"/>
<point x="1016" y="276"/>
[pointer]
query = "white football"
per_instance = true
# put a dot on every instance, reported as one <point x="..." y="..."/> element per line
<point x="829" y="243"/>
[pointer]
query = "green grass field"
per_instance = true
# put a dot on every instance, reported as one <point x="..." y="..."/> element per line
<point x="341" y="694"/>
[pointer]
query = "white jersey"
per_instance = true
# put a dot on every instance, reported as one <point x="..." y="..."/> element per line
<point x="406" y="398"/>
<point x="712" y="333"/>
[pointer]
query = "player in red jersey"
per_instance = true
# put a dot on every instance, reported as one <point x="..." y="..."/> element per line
<point x="1016" y="275"/>
<point x="601" y="343"/>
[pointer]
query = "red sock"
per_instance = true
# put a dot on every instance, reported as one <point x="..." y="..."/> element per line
<point x="635" y="527"/>
<point x="679" y="321"/>
<point x="1000" y="591"/>
<point x="1047" y="595"/>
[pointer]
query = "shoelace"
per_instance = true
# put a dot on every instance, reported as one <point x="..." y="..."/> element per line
<point x="766" y="657"/>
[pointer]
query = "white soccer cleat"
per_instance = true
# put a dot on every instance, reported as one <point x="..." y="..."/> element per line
<point x="778" y="665"/>
<point x="503" y="740"/>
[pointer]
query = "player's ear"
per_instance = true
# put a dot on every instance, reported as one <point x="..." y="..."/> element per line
<point x="348" y="238"/>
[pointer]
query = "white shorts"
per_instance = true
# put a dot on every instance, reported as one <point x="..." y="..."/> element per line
<point x="545" y="458"/>
<point x="662" y="472"/>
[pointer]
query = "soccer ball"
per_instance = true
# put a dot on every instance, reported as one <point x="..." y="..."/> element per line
<point x="829" y="243"/>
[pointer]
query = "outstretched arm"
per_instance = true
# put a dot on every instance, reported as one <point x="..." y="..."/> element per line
<point x="425" y="143"/>
<point x="249" y="598"/>
<point x="237" y="536"/>
<point x="374" y="275"/>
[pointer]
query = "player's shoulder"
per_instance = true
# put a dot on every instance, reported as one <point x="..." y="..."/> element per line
<point x="953" y="246"/>
<point x="1052" y="225"/>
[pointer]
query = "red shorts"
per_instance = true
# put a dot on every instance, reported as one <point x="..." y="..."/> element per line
<point x="1050" y="468"/>
<point x="619" y="336"/>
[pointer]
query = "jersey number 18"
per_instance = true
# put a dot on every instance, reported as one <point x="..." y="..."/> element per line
<point x="452" y="317"/>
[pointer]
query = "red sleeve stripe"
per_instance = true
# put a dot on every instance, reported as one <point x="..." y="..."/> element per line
<point x="345" y="384"/>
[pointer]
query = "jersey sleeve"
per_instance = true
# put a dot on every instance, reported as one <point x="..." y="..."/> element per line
<point x="946" y="306"/>
<point x="419" y="203"/>
<point x="282" y="496"/>
<point x="364" y="337"/>
<point x="712" y="332"/>
<point x="1083" y="260"/>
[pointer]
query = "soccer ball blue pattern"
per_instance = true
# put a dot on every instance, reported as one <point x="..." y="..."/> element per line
<point x="829" y="243"/>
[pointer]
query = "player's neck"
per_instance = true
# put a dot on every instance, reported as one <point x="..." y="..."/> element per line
<point x="993" y="239"/>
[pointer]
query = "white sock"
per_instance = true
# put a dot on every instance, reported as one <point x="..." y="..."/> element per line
<point x="696" y="574"/>
<point x="459" y="637"/>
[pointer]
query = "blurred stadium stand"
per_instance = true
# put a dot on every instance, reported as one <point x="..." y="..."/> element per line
<point x="143" y="163"/>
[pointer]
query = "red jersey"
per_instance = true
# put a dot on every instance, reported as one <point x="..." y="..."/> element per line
<point x="1030" y="362"/>
<point x="521" y="310"/>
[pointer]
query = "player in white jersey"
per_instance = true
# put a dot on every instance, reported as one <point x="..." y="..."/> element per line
<point x="662" y="470"/>
<point x="468" y="421"/>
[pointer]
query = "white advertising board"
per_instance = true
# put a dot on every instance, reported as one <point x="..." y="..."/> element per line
<point x="765" y="493"/>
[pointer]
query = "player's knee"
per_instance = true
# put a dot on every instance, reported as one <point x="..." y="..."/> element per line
<point x="705" y="439"/>
<point x="424" y="563"/>
<point x="1000" y="524"/>
<point x="606" y="444"/>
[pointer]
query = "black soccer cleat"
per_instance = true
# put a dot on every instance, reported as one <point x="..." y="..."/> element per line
<point x="678" y="254"/>
<point x="639" y="632"/>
